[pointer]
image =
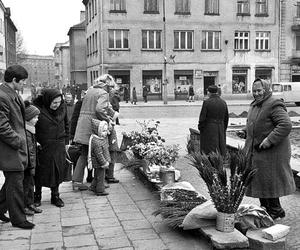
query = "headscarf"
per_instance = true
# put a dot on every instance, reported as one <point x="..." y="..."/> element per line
<point x="267" y="86"/>
<point x="48" y="95"/>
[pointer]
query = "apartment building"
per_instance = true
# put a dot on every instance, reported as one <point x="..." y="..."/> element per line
<point x="10" y="39"/>
<point x="2" y="41"/>
<point x="183" y="42"/>
<point x="62" y="63"/>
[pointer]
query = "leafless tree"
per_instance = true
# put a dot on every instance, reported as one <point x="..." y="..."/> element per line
<point x="20" y="47"/>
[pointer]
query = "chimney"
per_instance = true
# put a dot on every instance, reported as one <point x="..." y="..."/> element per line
<point x="82" y="16"/>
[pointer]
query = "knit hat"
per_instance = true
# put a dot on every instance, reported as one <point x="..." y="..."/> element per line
<point x="30" y="111"/>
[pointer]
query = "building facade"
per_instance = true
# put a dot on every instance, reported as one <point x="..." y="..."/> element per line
<point x="62" y="64"/>
<point x="40" y="69"/>
<point x="10" y="39"/>
<point x="2" y="41"/>
<point x="182" y="43"/>
<point x="78" y="65"/>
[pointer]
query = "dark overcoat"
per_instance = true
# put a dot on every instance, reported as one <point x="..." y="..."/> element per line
<point x="52" y="132"/>
<point x="213" y="122"/>
<point x="274" y="177"/>
<point x="13" y="147"/>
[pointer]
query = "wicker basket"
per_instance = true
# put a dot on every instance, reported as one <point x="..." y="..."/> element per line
<point x="225" y="222"/>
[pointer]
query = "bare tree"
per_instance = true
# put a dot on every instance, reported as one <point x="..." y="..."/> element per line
<point x="20" y="47"/>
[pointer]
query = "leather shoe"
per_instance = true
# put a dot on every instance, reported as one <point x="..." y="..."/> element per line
<point x="280" y="214"/>
<point x="112" y="180"/>
<point x="102" y="193"/>
<point x="80" y="186"/>
<point x="35" y="209"/>
<point x="25" y="225"/>
<point x="57" y="201"/>
<point x="4" y="218"/>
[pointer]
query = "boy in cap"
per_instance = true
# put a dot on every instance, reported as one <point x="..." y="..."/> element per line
<point x="31" y="118"/>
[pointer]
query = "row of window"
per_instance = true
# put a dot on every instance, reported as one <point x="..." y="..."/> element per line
<point x="184" y="7"/>
<point x="91" y="9"/>
<point x="183" y="40"/>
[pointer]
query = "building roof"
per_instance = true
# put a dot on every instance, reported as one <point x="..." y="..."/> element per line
<point x="79" y="26"/>
<point x="7" y="15"/>
<point x="61" y="45"/>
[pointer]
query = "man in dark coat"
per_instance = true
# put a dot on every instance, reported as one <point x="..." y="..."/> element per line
<point x="13" y="145"/>
<point x="126" y="94"/>
<point x="213" y="122"/>
<point x="145" y="93"/>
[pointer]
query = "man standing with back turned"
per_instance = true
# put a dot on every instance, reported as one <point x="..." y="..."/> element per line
<point x="13" y="145"/>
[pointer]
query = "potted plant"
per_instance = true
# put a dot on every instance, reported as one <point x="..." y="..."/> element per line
<point x="226" y="180"/>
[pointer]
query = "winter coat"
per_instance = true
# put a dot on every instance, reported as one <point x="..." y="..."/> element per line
<point x="74" y="118"/>
<point x="145" y="91"/>
<point x="191" y="91"/>
<point x="32" y="146"/>
<point x="13" y="147"/>
<point x="94" y="96"/>
<point x="274" y="177"/>
<point x="126" y="94"/>
<point x="52" y="132"/>
<point x="213" y="122"/>
<point x="134" y="97"/>
<point x="99" y="152"/>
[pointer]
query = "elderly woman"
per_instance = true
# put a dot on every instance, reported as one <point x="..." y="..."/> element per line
<point x="268" y="147"/>
<point x="96" y="96"/>
<point x="52" y="133"/>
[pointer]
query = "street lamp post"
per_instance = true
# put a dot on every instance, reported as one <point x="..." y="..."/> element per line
<point x="165" y="81"/>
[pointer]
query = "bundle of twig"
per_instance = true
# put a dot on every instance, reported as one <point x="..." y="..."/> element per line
<point x="227" y="194"/>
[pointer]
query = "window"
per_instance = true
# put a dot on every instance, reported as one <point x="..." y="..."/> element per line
<point x="96" y="41"/>
<point x="182" y="7"/>
<point x="261" y="8"/>
<point x="151" y="39"/>
<point x="211" y="40"/>
<point x="150" y="6"/>
<point x="212" y="7"/>
<point x="117" y="6"/>
<point x="298" y="9"/>
<point x="95" y="10"/>
<point x="239" y="81"/>
<point x="262" y="40"/>
<point x="183" y="40"/>
<point x="1" y="53"/>
<point x="90" y="11"/>
<point x="118" y="39"/>
<point x="241" y="40"/>
<point x="87" y="47"/>
<point x="152" y="79"/>
<point x="243" y="7"/>
<point x="297" y="42"/>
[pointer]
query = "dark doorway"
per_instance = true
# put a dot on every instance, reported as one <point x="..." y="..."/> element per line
<point x="208" y="80"/>
<point x="295" y="78"/>
<point x="122" y="78"/>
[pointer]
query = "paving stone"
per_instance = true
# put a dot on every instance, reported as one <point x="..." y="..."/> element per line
<point x="98" y="207"/>
<point x="73" y="213"/>
<point x="125" y="208"/>
<point x="46" y="237"/>
<point x="109" y="232"/>
<point x="142" y="234"/>
<point x="80" y="241"/>
<point x="102" y="214"/>
<point x="96" y="201"/>
<point x="122" y="202"/>
<point x="83" y="248"/>
<point x="77" y="230"/>
<point x="46" y="218"/>
<point x="116" y="242"/>
<point x="130" y="216"/>
<point x="105" y="222"/>
<point x="16" y="244"/>
<point x="15" y="235"/>
<point x="74" y="206"/>
<point x="65" y="222"/>
<point x="47" y="227"/>
<point x="136" y="224"/>
<point x="153" y="244"/>
<point x="257" y="242"/>
<point x="52" y="246"/>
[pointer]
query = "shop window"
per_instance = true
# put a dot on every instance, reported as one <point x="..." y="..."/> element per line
<point x="239" y="81"/>
<point x="241" y="40"/>
<point x="183" y="80"/>
<point x="152" y="79"/>
<point x="261" y="7"/>
<point x="243" y="7"/>
<point x="117" y="6"/>
<point x="264" y="73"/>
<point x="118" y="39"/>
<point x="262" y="40"/>
<point x="182" y="7"/>
<point x="151" y="6"/>
<point x="211" y="7"/>
<point x="183" y="40"/>
<point x="151" y="39"/>
<point x="211" y="40"/>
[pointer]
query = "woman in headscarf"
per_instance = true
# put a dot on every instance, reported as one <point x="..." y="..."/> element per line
<point x="52" y="133"/>
<point x="268" y="147"/>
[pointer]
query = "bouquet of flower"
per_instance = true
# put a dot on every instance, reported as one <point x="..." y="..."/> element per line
<point x="226" y="193"/>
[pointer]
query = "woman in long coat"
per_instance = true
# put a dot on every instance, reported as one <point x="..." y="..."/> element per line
<point x="268" y="147"/>
<point x="52" y="133"/>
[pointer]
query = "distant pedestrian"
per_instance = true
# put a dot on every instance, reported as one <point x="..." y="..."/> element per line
<point x="219" y="90"/>
<point x="126" y="94"/>
<point x="213" y="122"/>
<point x="134" y="97"/>
<point x="31" y="117"/>
<point x="145" y="93"/>
<point x="191" y="93"/>
<point x="13" y="145"/>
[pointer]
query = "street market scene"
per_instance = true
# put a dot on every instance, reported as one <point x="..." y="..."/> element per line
<point x="154" y="124"/>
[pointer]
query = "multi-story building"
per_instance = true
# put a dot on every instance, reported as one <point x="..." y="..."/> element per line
<point x="40" y="69"/>
<point x="10" y="39"/>
<point x="186" y="42"/>
<point x="2" y="41"/>
<point x="78" y="53"/>
<point x="62" y="64"/>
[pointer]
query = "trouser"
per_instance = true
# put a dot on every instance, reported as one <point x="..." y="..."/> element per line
<point x="271" y="204"/>
<point x="12" y="196"/>
<point x="81" y="164"/>
<point x="28" y="184"/>
<point x="109" y="173"/>
<point x="54" y="191"/>
<point x="98" y="181"/>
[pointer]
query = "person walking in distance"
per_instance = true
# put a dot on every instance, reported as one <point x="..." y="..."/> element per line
<point x="134" y="97"/>
<point x="191" y="93"/>
<point x="213" y="122"/>
<point x="13" y="145"/>
<point x="145" y="93"/>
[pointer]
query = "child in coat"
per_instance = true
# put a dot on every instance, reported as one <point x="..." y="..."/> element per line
<point x="31" y="118"/>
<point x="98" y="156"/>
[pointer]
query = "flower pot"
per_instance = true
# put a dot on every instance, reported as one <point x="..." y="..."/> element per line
<point x="167" y="176"/>
<point x="225" y="222"/>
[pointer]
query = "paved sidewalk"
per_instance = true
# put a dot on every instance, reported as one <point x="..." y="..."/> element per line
<point x="122" y="220"/>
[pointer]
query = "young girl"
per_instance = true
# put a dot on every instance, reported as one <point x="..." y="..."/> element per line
<point x="98" y="156"/>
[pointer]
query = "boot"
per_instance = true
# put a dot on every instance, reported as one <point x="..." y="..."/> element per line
<point x="55" y="200"/>
<point x="89" y="177"/>
<point x="37" y="199"/>
<point x="100" y="186"/>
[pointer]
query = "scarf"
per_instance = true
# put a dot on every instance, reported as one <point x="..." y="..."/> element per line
<point x="29" y="127"/>
<point x="267" y="86"/>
